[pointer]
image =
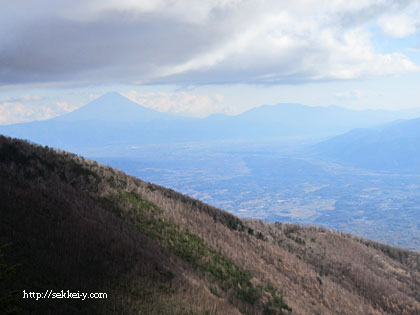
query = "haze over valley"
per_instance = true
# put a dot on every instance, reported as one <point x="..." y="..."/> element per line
<point x="363" y="181"/>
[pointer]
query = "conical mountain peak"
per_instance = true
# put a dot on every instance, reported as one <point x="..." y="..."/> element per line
<point x="113" y="106"/>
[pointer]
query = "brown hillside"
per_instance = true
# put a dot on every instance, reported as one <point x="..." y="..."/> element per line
<point x="70" y="223"/>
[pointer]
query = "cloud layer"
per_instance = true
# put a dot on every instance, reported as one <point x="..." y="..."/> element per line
<point x="182" y="103"/>
<point x="30" y="107"/>
<point x="200" y="42"/>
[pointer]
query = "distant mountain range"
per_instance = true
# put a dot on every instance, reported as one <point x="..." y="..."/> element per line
<point x="393" y="147"/>
<point x="113" y="119"/>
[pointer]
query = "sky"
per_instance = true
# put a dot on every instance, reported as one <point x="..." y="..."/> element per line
<point x="201" y="57"/>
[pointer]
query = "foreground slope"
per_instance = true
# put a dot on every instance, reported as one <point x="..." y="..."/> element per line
<point x="72" y="224"/>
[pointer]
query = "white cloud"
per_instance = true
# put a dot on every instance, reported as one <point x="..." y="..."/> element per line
<point x="200" y="42"/>
<point x="182" y="103"/>
<point x="28" y="108"/>
<point x="14" y="112"/>
<point x="14" y="109"/>
<point x="63" y="107"/>
<point x="355" y="94"/>
<point x="399" y="26"/>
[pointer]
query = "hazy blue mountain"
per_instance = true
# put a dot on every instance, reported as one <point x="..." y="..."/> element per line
<point x="110" y="119"/>
<point x="395" y="147"/>
<point x="295" y="120"/>
<point x="113" y="107"/>
<point x="113" y="119"/>
<point x="298" y="119"/>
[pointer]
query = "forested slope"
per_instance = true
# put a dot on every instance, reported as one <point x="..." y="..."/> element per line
<point x="67" y="223"/>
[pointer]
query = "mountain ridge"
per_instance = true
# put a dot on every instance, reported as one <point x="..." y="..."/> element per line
<point x="113" y="107"/>
<point x="75" y="224"/>
<point x="393" y="147"/>
<point x="136" y="124"/>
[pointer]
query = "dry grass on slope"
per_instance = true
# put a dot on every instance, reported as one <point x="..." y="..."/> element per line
<point x="60" y="237"/>
<point x="316" y="270"/>
<point x="193" y="258"/>
<point x="384" y="277"/>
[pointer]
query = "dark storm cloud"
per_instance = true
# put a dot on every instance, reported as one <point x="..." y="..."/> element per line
<point x="187" y="42"/>
<point x="114" y="46"/>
